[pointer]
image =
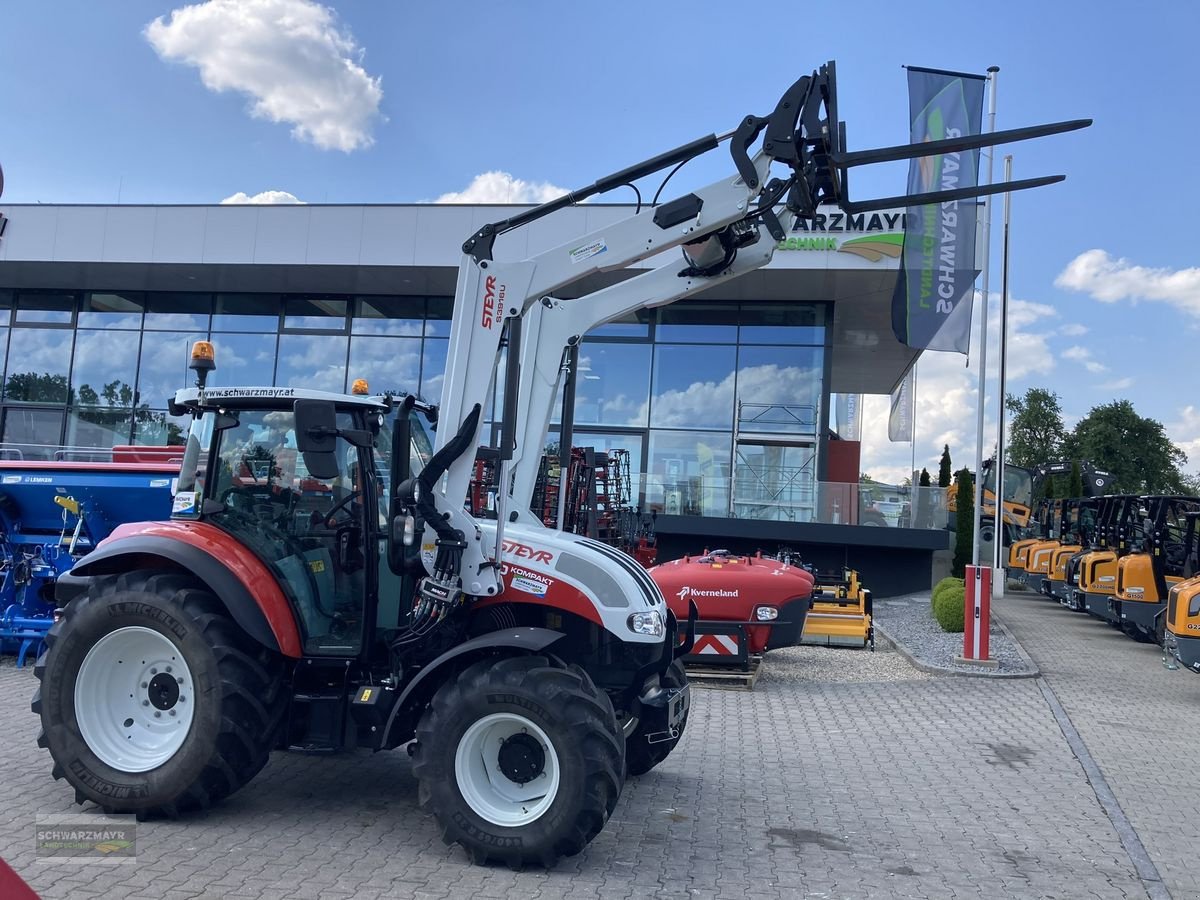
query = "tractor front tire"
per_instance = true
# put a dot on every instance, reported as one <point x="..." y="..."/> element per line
<point x="640" y="754"/>
<point x="520" y="760"/>
<point x="152" y="700"/>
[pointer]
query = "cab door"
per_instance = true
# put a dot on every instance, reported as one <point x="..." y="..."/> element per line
<point x="309" y="530"/>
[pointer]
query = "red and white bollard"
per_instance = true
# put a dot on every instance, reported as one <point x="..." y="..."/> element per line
<point x="977" y="615"/>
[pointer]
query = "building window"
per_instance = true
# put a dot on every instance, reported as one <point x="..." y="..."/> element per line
<point x="163" y="365"/>
<point x="46" y="308"/>
<point x="433" y="369"/>
<point x="782" y="323"/>
<point x="105" y="370"/>
<point x="246" y="312"/>
<point x="158" y="428"/>
<point x="31" y="433"/>
<point x="693" y="386"/>
<point x="389" y="364"/>
<point x="779" y="389"/>
<point x="437" y="316"/>
<point x="242" y="359"/>
<point x="316" y="361"/>
<point x="99" y="428"/>
<point x="703" y="323"/>
<point x="687" y="473"/>
<point x="612" y="384"/>
<point x="112" y="310"/>
<point x="314" y="313"/>
<point x="40" y="365"/>
<point x="775" y="482"/>
<point x="631" y="325"/>
<point x="399" y="316"/>
<point x="178" y="312"/>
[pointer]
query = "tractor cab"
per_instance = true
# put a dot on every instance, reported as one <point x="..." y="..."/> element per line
<point x="307" y="498"/>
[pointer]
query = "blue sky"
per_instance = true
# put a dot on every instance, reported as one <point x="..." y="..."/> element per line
<point x="414" y="101"/>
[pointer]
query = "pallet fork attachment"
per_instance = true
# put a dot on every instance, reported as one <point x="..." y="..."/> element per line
<point x="802" y="132"/>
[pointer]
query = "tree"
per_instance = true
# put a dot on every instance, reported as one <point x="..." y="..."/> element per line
<point x="944" y="468"/>
<point x="1134" y="449"/>
<point x="1048" y="489"/>
<point x="964" y="535"/>
<point x="31" y="386"/>
<point x="1075" y="485"/>
<point x="1191" y="484"/>
<point x="1036" y="432"/>
<point x="924" y="480"/>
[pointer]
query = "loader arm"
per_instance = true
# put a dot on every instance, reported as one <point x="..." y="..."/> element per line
<point x="723" y="223"/>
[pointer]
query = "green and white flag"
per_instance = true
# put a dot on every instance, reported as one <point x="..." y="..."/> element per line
<point x="931" y="307"/>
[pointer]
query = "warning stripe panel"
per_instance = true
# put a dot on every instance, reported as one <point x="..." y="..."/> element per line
<point x="715" y="645"/>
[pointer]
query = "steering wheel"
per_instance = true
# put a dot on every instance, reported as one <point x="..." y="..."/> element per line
<point x="338" y="507"/>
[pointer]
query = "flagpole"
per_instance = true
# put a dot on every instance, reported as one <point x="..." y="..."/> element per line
<point x="999" y="532"/>
<point x="913" y="487"/>
<point x="983" y="316"/>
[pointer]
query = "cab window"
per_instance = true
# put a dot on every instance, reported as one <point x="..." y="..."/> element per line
<point x="308" y="529"/>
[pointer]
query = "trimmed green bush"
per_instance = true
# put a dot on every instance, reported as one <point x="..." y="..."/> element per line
<point x="948" y="609"/>
<point x="944" y="585"/>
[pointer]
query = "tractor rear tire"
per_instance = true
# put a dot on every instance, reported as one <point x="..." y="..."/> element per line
<point x="520" y="760"/>
<point x="152" y="700"/>
<point x="640" y="754"/>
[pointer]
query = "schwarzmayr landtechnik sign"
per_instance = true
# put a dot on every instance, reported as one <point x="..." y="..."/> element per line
<point x="881" y="234"/>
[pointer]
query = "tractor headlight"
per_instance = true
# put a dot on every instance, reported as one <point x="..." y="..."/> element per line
<point x="410" y="530"/>
<point x="766" y="613"/>
<point x="648" y="623"/>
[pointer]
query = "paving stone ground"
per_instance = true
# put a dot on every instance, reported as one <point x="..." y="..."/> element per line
<point x="1141" y="724"/>
<point x="826" y="787"/>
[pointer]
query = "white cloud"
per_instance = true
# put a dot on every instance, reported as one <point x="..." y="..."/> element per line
<point x="501" y="187"/>
<point x="268" y="197"/>
<point x="1117" y="384"/>
<point x="947" y="391"/>
<point x="1073" y="330"/>
<point x="1028" y="352"/>
<point x="1110" y="280"/>
<point x="1185" y="432"/>
<point x="1083" y="356"/>
<point x="288" y="56"/>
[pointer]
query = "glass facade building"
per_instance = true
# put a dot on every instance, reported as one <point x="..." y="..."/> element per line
<point x="723" y="400"/>
<point x="718" y="402"/>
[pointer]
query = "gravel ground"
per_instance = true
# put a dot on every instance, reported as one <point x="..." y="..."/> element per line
<point x="910" y="621"/>
<point x="837" y="665"/>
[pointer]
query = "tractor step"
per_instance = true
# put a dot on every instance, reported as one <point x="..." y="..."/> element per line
<point x="725" y="677"/>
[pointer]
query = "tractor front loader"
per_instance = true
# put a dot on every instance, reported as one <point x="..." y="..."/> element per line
<point x="321" y="584"/>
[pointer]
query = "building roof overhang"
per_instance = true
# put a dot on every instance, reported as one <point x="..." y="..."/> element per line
<point x="414" y="249"/>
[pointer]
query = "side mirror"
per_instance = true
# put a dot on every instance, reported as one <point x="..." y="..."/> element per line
<point x="316" y="436"/>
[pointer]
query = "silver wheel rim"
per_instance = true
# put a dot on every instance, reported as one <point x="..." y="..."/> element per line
<point x="491" y="794"/>
<point x="134" y="699"/>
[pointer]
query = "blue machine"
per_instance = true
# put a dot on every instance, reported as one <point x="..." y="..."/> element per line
<point x="51" y="515"/>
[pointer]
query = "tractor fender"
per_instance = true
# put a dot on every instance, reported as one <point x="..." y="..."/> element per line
<point x="417" y="693"/>
<point x="264" y="613"/>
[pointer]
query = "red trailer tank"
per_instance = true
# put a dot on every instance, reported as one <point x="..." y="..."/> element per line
<point x="747" y="604"/>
